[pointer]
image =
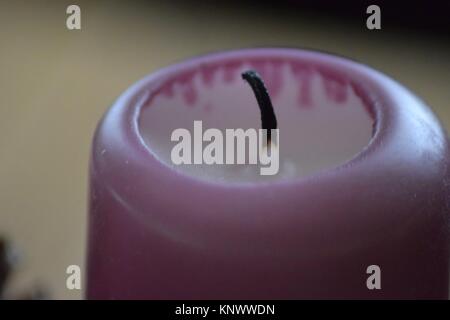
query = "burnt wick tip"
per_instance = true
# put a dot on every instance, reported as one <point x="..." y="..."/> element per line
<point x="268" y="118"/>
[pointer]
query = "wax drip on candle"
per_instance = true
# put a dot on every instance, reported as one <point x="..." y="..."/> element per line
<point x="268" y="118"/>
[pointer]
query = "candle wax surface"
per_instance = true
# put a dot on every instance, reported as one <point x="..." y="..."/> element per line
<point x="322" y="121"/>
<point x="364" y="180"/>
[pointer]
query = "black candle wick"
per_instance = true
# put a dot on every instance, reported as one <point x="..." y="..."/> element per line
<point x="268" y="119"/>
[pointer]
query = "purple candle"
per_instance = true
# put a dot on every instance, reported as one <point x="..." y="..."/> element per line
<point x="363" y="180"/>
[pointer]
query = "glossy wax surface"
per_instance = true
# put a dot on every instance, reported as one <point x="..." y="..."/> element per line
<point x="160" y="233"/>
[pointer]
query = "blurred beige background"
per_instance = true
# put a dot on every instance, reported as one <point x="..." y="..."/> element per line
<point x="55" y="84"/>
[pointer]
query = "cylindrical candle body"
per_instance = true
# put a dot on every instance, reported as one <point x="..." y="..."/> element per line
<point x="160" y="232"/>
